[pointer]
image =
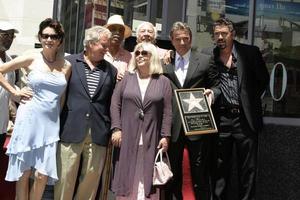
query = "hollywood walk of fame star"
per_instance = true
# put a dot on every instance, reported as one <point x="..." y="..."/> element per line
<point x="193" y="102"/>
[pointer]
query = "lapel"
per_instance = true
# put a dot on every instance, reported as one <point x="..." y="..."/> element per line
<point x="170" y="72"/>
<point x="138" y="100"/>
<point x="193" y="64"/>
<point x="240" y="62"/>
<point x="80" y="69"/>
<point x="150" y="90"/>
<point x="103" y="74"/>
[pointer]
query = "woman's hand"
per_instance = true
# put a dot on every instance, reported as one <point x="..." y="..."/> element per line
<point x="23" y="95"/>
<point x="116" y="138"/>
<point x="164" y="144"/>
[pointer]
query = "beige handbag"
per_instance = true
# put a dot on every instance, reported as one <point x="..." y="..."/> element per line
<point x="162" y="170"/>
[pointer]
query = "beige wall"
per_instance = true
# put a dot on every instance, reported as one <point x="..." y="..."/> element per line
<point x="25" y="15"/>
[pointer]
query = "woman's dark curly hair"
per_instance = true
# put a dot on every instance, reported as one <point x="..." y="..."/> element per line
<point x="56" y="25"/>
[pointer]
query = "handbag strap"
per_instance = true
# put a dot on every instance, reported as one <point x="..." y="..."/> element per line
<point x="160" y="154"/>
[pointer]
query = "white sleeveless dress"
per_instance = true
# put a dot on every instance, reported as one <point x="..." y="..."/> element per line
<point x="36" y="132"/>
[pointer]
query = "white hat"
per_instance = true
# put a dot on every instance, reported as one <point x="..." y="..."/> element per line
<point x="5" y="26"/>
<point x="117" y="20"/>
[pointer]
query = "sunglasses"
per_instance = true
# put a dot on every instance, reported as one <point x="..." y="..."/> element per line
<point x="143" y="53"/>
<point x="52" y="36"/>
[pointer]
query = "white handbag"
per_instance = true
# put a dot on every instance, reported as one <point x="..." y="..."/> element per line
<point x="162" y="169"/>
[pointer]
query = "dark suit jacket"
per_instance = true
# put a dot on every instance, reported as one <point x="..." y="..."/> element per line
<point x="253" y="78"/>
<point x="80" y="110"/>
<point x="202" y="73"/>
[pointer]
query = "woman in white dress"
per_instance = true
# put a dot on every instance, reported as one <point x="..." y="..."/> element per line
<point x="32" y="149"/>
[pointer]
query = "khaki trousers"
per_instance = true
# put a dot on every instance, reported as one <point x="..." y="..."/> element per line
<point x="68" y="161"/>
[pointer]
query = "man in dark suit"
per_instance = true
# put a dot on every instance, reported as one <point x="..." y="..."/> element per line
<point x="85" y="119"/>
<point x="243" y="79"/>
<point x="189" y="69"/>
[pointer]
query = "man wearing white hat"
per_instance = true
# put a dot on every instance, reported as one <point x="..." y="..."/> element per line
<point x="7" y="34"/>
<point x="6" y="38"/>
<point x="118" y="57"/>
<point x="116" y="54"/>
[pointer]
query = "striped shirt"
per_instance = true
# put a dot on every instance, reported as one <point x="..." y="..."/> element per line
<point x="92" y="78"/>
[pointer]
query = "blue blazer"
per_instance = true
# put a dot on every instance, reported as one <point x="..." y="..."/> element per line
<point x="81" y="111"/>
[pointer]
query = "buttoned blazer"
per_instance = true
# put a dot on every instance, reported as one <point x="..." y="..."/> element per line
<point x="201" y="73"/>
<point x="81" y="111"/>
<point x="253" y="78"/>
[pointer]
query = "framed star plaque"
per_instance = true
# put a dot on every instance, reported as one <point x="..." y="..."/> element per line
<point x="195" y="112"/>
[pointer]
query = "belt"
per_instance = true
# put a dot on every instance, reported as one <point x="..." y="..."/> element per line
<point x="230" y="110"/>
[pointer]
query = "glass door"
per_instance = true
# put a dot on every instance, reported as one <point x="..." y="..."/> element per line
<point x="277" y="33"/>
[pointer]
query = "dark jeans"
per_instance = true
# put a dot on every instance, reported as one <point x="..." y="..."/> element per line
<point x="199" y="151"/>
<point x="234" y="130"/>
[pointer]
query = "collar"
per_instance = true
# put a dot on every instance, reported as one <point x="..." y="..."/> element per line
<point x="7" y="58"/>
<point x="233" y="51"/>
<point x="118" y="54"/>
<point x="81" y="59"/>
<point x="186" y="56"/>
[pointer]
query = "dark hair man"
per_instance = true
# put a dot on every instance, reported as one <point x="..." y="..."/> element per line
<point x="243" y="79"/>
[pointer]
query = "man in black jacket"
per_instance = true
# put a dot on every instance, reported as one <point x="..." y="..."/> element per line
<point x="189" y="69"/>
<point x="243" y="79"/>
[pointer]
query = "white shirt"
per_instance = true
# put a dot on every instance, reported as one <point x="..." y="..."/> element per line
<point x="143" y="84"/>
<point x="181" y="74"/>
<point x="4" y="99"/>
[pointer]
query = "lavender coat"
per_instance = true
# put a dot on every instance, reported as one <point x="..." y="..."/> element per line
<point x="125" y="107"/>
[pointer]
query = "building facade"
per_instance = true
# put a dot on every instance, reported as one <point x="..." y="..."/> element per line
<point x="25" y="16"/>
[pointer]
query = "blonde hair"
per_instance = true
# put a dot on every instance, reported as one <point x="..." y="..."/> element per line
<point x="155" y="64"/>
<point x="93" y="35"/>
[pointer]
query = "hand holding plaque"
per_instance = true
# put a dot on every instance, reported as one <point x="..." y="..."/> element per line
<point x="195" y="112"/>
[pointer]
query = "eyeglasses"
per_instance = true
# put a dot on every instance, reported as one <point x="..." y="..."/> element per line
<point x="143" y="53"/>
<point x="52" y="36"/>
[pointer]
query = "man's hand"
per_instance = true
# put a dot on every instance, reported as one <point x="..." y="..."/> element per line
<point x="168" y="57"/>
<point x="120" y="76"/>
<point x="210" y="96"/>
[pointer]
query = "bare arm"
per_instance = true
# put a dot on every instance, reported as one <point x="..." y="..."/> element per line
<point x="67" y="71"/>
<point x="17" y="63"/>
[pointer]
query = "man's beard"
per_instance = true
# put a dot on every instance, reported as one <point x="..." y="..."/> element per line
<point x="221" y="44"/>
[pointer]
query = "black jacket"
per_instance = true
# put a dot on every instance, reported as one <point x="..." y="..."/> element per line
<point x="253" y="78"/>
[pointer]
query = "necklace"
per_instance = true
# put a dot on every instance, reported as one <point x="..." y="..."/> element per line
<point x="48" y="61"/>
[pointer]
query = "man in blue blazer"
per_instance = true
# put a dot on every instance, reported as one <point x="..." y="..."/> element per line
<point x="85" y="119"/>
<point x="243" y="79"/>
<point x="189" y="69"/>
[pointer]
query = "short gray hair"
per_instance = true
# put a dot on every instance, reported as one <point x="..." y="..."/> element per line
<point x="138" y="29"/>
<point x="93" y="35"/>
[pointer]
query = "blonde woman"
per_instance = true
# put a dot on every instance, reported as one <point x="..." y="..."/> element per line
<point x="141" y="123"/>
